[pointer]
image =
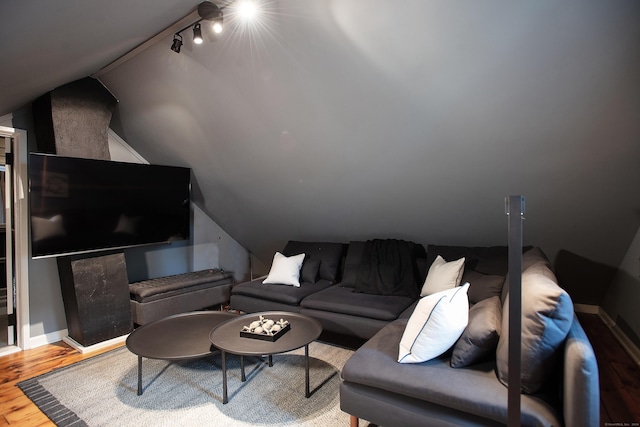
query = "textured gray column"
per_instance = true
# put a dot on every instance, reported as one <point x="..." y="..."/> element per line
<point x="95" y="291"/>
<point x="73" y="120"/>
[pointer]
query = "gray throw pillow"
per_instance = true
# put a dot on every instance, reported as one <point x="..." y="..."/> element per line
<point x="309" y="271"/>
<point x="482" y="286"/>
<point x="481" y="335"/>
<point x="547" y="314"/>
<point x="329" y="255"/>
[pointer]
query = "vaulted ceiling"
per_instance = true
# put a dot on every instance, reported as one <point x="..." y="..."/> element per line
<point x="351" y="119"/>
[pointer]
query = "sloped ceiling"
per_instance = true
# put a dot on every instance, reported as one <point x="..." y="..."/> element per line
<point x="351" y="119"/>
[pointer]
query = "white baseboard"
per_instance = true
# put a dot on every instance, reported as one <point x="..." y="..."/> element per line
<point x="586" y="308"/>
<point x="622" y="338"/>
<point x="63" y="335"/>
<point x="95" y="347"/>
<point x="50" y="338"/>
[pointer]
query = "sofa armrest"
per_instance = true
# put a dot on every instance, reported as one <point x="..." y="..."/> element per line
<point x="581" y="392"/>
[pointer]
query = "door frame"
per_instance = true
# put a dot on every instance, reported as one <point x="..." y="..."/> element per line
<point x="18" y="170"/>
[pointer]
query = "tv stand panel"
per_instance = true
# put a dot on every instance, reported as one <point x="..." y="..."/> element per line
<point x="95" y="291"/>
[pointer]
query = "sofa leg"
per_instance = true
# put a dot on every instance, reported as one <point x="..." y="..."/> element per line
<point x="354" y="421"/>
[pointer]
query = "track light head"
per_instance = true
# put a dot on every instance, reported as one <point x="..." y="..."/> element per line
<point x="197" y="34"/>
<point x="177" y="43"/>
<point x="217" y="26"/>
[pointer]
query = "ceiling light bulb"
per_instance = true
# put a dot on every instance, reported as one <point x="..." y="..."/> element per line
<point x="247" y="10"/>
<point x="197" y="34"/>
<point x="217" y="27"/>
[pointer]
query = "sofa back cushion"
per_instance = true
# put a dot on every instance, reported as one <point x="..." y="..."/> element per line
<point x="483" y="286"/>
<point x="356" y="257"/>
<point x="485" y="260"/>
<point x="329" y="254"/>
<point x="352" y="262"/>
<point x="532" y="256"/>
<point x="547" y="315"/>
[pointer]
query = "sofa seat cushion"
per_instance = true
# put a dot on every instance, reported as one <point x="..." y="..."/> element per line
<point x="291" y="295"/>
<point x="346" y="300"/>
<point x="474" y="390"/>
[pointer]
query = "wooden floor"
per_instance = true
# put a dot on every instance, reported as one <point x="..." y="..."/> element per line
<point x="619" y="375"/>
<point x="15" y="408"/>
<point x="619" y="378"/>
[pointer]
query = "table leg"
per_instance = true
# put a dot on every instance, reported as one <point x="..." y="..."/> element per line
<point x="243" y="377"/>
<point x="224" y="377"/>
<point x="306" y="375"/>
<point x="270" y="360"/>
<point x="139" y="375"/>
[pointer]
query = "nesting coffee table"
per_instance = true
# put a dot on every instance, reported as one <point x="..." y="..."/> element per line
<point x="177" y="337"/>
<point x="226" y="337"/>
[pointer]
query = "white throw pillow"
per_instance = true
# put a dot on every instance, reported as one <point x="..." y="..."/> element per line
<point x="285" y="270"/>
<point x="442" y="275"/>
<point x="435" y="325"/>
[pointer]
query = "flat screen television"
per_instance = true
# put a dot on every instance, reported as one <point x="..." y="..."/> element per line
<point x="85" y="205"/>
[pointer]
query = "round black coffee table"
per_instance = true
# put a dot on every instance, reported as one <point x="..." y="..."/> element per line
<point x="226" y="337"/>
<point x="177" y="337"/>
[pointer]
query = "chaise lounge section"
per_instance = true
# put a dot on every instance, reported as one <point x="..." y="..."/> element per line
<point x="377" y="388"/>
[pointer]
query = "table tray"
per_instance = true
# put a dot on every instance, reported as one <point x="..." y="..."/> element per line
<point x="266" y="337"/>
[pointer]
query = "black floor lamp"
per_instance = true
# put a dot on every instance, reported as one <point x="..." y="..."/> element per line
<point x="515" y="211"/>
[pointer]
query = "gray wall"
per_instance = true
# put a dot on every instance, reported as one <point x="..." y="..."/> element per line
<point x="621" y="300"/>
<point x="414" y="122"/>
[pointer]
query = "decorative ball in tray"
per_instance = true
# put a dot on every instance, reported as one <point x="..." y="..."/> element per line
<point x="265" y="329"/>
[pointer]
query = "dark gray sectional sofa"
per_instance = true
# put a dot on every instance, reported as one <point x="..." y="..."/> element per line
<point x="563" y="373"/>
<point x="331" y="298"/>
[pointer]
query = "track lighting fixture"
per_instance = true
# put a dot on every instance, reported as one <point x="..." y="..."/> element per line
<point x="197" y="34"/>
<point x="242" y="11"/>
<point x="177" y="43"/>
<point x="207" y="11"/>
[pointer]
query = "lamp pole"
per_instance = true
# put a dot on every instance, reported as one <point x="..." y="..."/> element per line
<point x="515" y="212"/>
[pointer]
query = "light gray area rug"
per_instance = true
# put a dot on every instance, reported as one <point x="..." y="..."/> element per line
<point x="101" y="391"/>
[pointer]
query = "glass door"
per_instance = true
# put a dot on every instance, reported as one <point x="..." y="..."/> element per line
<point x="7" y="299"/>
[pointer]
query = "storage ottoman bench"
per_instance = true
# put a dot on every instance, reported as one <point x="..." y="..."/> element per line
<point x="163" y="296"/>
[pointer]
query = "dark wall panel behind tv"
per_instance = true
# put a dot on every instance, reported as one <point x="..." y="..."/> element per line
<point x="82" y="205"/>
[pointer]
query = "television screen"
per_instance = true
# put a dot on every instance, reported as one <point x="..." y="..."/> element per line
<point x="84" y="205"/>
